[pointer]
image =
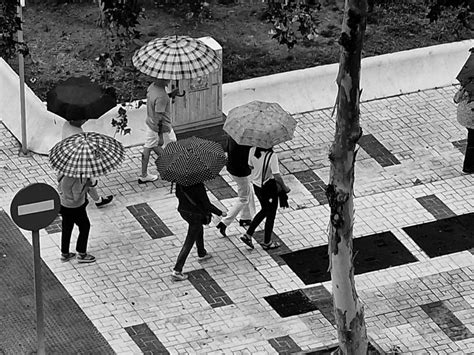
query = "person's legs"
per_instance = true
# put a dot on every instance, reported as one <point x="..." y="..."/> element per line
<point x="82" y="221"/>
<point x="67" y="225"/>
<point x="201" y="251"/>
<point x="468" y="165"/>
<point x="258" y="218"/>
<point x="194" y="229"/>
<point x="271" y="210"/>
<point x="243" y="193"/>
<point x="249" y="209"/>
<point x="151" y="142"/>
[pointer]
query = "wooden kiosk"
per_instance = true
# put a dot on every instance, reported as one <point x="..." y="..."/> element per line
<point x="199" y="111"/>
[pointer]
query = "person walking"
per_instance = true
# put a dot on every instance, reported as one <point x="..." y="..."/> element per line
<point x="239" y="170"/>
<point x="266" y="178"/>
<point x="159" y="131"/>
<point x="73" y="197"/>
<point x="71" y="128"/>
<point x="465" y="116"/>
<point x="195" y="208"/>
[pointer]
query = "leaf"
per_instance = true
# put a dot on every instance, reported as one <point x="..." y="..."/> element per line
<point x="122" y="111"/>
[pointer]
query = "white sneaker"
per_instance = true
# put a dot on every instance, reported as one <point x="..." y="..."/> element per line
<point x="205" y="257"/>
<point x="178" y="276"/>
<point x="147" y="178"/>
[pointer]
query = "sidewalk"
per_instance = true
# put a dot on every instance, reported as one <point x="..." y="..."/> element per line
<point x="414" y="232"/>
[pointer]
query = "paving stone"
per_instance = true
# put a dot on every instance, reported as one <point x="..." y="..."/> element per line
<point x="377" y="150"/>
<point x="435" y="206"/>
<point x="313" y="184"/>
<point x="461" y="145"/>
<point x="149" y="220"/>
<point x="284" y="345"/>
<point x="65" y="323"/>
<point x="274" y="253"/>
<point x="447" y="321"/>
<point x="208" y="288"/>
<point x="220" y="188"/>
<point x="146" y="339"/>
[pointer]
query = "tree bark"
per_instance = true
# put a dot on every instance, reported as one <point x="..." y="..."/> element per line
<point x="349" y="312"/>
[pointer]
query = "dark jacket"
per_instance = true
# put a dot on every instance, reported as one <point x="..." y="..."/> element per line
<point x="200" y="203"/>
<point x="237" y="158"/>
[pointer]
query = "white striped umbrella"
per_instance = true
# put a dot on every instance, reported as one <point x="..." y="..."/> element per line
<point x="176" y="58"/>
<point x="260" y="124"/>
<point x="86" y="154"/>
<point x="191" y="161"/>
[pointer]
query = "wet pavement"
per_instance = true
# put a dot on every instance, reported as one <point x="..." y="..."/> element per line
<point x="413" y="229"/>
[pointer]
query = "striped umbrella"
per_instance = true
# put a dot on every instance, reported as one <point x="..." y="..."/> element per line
<point x="86" y="154"/>
<point x="191" y="161"/>
<point x="260" y="124"/>
<point x="176" y="58"/>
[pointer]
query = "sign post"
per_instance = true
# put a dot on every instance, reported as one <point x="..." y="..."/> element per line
<point x="35" y="207"/>
<point x="21" y="70"/>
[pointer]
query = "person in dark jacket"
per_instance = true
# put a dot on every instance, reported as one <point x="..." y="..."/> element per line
<point x="195" y="208"/>
<point x="239" y="170"/>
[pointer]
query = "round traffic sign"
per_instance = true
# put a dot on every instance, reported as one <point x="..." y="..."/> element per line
<point x="35" y="206"/>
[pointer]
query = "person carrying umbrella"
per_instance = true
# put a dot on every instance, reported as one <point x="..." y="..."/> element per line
<point x="71" y="128"/>
<point x="195" y="208"/>
<point x="77" y="159"/>
<point x="188" y="163"/>
<point x="465" y="110"/>
<point x="168" y="58"/>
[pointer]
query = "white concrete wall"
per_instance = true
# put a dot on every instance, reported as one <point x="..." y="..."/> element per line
<point x="296" y="91"/>
<point x="381" y="76"/>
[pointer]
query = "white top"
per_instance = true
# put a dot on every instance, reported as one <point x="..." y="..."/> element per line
<point x="257" y="165"/>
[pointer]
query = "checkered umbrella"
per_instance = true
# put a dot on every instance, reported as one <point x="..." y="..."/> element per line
<point x="260" y="124"/>
<point x="86" y="154"/>
<point x="191" y="161"/>
<point x="175" y="58"/>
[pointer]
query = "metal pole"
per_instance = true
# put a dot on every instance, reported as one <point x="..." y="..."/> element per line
<point x="21" y="69"/>
<point x="38" y="295"/>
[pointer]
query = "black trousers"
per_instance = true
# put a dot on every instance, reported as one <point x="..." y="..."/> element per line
<point x="268" y="198"/>
<point x="78" y="216"/>
<point x="195" y="235"/>
<point x="468" y="165"/>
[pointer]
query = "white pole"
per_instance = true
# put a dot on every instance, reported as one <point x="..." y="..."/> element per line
<point x="21" y="69"/>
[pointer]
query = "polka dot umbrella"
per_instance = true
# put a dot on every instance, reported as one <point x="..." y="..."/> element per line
<point x="87" y="154"/>
<point x="191" y="161"/>
<point x="260" y="124"/>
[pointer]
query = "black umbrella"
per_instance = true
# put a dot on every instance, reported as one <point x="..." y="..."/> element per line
<point x="466" y="75"/>
<point x="78" y="98"/>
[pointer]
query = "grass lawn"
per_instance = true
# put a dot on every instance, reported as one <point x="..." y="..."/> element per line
<point x="64" y="40"/>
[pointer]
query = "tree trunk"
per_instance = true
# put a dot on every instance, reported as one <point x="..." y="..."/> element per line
<point x="348" y="310"/>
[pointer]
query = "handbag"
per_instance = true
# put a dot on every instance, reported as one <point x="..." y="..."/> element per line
<point x="273" y="183"/>
<point x="206" y="218"/>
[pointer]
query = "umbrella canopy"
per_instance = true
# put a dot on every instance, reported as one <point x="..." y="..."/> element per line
<point x="78" y="98"/>
<point x="176" y="58"/>
<point x="86" y="154"/>
<point x="260" y="124"/>
<point x="191" y="161"/>
<point x="466" y="75"/>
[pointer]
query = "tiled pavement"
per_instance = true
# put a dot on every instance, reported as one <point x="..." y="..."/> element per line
<point x="408" y="173"/>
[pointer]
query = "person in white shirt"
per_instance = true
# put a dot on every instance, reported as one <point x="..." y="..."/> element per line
<point x="265" y="177"/>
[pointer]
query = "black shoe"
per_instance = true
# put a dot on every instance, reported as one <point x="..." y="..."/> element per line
<point x="467" y="172"/>
<point x="104" y="201"/>
<point x="222" y="227"/>
<point x="245" y="222"/>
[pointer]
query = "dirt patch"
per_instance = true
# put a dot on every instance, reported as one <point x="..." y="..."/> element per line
<point x="64" y="40"/>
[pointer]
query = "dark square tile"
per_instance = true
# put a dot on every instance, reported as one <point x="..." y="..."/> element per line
<point x="377" y="150"/>
<point x="146" y="340"/>
<point x="445" y="236"/>
<point x="313" y="184"/>
<point x="209" y="288"/>
<point x="220" y="188"/>
<point x="291" y="303"/>
<point x="149" y="220"/>
<point x="435" y="206"/>
<point x="284" y="345"/>
<point x="374" y="252"/>
<point x="274" y="253"/>
<point x="461" y="145"/>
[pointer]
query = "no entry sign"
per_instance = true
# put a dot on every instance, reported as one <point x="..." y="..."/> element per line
<point x="34" y="207"/>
